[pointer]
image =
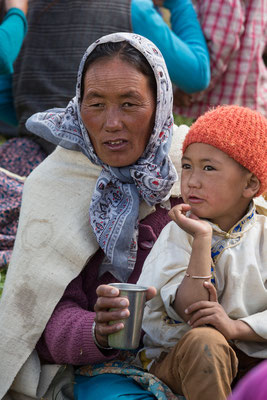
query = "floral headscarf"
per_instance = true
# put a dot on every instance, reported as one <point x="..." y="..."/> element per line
<point x="115" y="202"/>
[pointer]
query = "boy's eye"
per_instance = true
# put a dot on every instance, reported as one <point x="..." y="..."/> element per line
<point x="208" y="168"/>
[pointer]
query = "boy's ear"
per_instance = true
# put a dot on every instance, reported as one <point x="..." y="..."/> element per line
<point x="252" y="186"/>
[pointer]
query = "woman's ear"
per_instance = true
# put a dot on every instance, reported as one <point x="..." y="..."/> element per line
<point x="252" y="186"/>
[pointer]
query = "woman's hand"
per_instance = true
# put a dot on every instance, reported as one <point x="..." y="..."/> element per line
<point x="108" y="298"/>
<point x="21" y="4"/>
<point x="212" y="313"/>
<point x="191" y="224"/>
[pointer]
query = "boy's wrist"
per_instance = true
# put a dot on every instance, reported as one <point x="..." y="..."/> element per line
<point x="238" y="328"/>
<point x="202" y="239"/>
<point x="242" y="331"/>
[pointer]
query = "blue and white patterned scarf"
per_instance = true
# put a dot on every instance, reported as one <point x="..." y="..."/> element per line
<point x="115" y="203"/>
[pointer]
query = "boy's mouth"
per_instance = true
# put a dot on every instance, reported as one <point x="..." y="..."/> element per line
<point x="195" y="199"/>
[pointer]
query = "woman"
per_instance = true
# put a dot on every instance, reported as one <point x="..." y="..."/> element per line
<point x="114" y="138"/>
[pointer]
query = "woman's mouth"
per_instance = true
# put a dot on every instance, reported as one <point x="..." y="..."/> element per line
<point x="116" y="144"/>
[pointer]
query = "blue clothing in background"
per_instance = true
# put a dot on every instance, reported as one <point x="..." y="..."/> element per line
<point x="12" y="32"/>
<point x="7" y="109"/>
<point x="184" y="47"/>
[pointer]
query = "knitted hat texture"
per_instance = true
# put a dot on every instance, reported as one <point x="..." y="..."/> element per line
<point x="237" y="131"/>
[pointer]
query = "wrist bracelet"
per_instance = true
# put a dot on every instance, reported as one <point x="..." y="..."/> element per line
<point x="95" y="340"/>
<point x="198" y="277"/>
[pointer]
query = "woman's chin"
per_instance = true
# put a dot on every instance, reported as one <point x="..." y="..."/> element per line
<point x="119" y="159"/>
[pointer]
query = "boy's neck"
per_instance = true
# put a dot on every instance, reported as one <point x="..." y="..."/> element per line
<point x="229" y="223"/>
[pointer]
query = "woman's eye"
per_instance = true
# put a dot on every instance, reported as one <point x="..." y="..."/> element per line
<point x="127" y="104"/>
<point x="186" y="166"/>
<point x="97" y="105"/>
<point x="209" y="168"/>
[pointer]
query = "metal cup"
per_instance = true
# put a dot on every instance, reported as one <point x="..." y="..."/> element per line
<point x="129" y="337"/>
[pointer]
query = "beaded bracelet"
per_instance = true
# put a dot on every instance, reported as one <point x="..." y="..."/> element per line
<point x="198" y="277"/>
<point x="95" y="339"/>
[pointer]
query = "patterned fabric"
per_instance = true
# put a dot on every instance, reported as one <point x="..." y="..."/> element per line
<point x="222" y="240"/>
<point x="10" y="201"/>
<point x="148" y="381"/>
<point x="18" y="157"/>
<point x="115" y="204"/>
<point x="235" y="31"/>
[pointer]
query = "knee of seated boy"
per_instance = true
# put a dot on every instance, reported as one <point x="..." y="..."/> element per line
<point x="204" y="339"/>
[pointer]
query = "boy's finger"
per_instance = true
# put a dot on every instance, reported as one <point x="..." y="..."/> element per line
<point x="212" y="291"/>
<point x="198" y="305"/>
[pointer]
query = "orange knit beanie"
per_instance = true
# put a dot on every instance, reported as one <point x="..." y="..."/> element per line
<point x="237" y="131"/>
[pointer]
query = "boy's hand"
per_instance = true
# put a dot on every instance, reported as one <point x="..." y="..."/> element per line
<point x="191" y="224"/>
<point x="211" y="313"/>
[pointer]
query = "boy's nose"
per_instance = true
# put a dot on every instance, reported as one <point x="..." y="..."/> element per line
<point x="194" y="180"/>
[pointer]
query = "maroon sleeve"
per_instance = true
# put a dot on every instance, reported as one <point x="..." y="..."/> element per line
<point x="67" y="338"/>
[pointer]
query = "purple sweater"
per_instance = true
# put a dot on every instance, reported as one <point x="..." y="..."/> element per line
<point x="67" y="338"/>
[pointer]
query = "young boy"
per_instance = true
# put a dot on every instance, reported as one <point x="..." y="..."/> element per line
<point x="208" y="321"/>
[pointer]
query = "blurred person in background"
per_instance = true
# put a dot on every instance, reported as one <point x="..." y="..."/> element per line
<point x="253" y="386"/>
<point x="13" y="29"/>
<point x="236" y="34"/>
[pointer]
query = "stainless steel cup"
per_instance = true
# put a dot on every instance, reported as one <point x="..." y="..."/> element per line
<point x="129" y="337"/>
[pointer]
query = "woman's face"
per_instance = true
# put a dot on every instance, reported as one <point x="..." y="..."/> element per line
<point x="118" y="110"/>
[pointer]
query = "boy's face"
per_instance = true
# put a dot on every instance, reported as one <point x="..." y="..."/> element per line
<point x="213" y="184"/>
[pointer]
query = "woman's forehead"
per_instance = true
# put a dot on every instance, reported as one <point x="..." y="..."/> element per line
<point x="117" y="78"/>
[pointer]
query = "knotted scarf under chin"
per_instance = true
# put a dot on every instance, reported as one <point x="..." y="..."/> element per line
<point x="114" y="214"/>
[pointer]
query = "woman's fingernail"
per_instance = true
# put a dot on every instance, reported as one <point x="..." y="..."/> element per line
<point x="113" y="291"/>
<point x="123" y="303"/>
<point x="124" y="313"/>
<point x="189" y="323"/>
<point x="186" y="311"/>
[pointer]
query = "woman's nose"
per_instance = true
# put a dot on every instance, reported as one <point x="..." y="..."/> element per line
<point x="113" y="119"/>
